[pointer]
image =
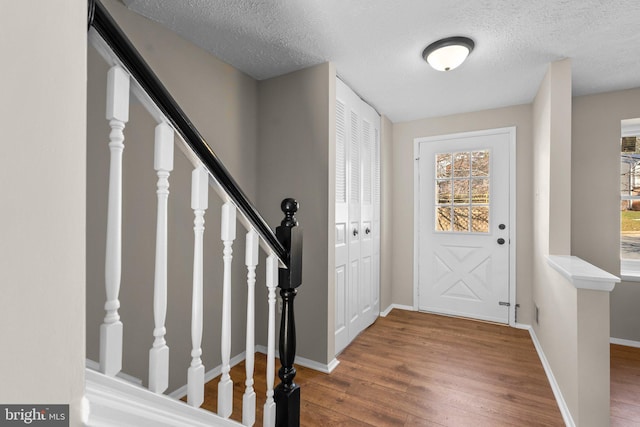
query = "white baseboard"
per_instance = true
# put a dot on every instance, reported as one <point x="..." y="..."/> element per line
<point x="628" y="343"/>
<point x="523" y="326"/>
<point x="332" y="365"/>
<point x="317" y="366"/>
<point x="307" y="363"/>
<point x="93" y="365"/>
<point x="208" y="376"/>
<point x="562" y="404"/>
<point x="398" y="306"/>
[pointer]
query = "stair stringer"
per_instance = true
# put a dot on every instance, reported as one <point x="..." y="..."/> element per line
<point x="114" y="402"/>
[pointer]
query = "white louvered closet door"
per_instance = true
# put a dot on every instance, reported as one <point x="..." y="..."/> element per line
<point x="375" y="294"/>
<point x="366" y="225"/>
<point x="357" y="216"/>
<point x="341" y="227"/>
<point x="354" y="231"/>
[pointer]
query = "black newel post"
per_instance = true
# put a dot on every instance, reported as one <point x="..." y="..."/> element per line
<point x="287" y="393"/>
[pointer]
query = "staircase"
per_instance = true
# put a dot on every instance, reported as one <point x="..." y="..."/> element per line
<point x="115" y="401"/>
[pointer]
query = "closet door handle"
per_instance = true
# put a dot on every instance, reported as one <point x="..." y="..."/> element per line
<point x="355" y="232"/>
<point x="367" y="230"/>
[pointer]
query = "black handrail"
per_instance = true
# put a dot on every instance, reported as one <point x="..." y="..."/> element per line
<point x="104" y="24"/>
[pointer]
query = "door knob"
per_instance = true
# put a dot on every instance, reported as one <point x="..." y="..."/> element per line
<point x="501" y="241"/>
<point x="367" y="230"/>
<point x="355" y="231"/>
<point x="501" y="226"/>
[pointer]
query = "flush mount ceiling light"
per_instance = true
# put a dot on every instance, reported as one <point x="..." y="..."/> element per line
<point x="449" y="53"/>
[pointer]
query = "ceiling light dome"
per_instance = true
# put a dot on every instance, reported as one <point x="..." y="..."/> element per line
<point x="449" y="53"/>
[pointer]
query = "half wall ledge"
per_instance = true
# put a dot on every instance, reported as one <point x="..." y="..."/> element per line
<point x="582" y="274"/>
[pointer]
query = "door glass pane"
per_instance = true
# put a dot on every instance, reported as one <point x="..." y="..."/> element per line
<point x="480" y="219"/>
<point x="443" y="165"/>
<point x="461" y="191"/>
<point x="460" y="219"/>
<point x="480" y="163"/>
<point x="443" y="219"/>
<point x="443" y="192"/>
<point x="479" y="191"/>
<point x="461" y="164"/>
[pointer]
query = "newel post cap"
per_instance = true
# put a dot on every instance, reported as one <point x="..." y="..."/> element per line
<point x="289" y="206"/>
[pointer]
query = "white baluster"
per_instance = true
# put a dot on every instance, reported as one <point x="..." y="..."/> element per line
<point x="111" y="329"/>
<point x="228" y="235"/>
<point x="159" y="353"/>
<point x="249" y="397"/>
<point x="199" y="203"/>
<point x="269" y="414"/>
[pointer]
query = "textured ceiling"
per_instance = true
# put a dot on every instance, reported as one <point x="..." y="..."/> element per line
<point x="376" y="45"/>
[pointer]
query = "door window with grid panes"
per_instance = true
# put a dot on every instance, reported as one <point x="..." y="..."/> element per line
<point x="462" y="191"/>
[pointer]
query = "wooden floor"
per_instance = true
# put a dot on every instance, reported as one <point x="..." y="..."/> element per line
<point x="417" y="369"/>
<point x="625" y="386"/>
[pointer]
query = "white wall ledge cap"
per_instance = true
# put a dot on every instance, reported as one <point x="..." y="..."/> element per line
<point x="582" y="274"/>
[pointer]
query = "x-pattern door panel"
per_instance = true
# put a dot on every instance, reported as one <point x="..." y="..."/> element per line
<point x="462" y="273"/>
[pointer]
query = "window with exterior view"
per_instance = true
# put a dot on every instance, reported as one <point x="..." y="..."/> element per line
<point x="462" y="192"/>
<point x="630" y="198"/>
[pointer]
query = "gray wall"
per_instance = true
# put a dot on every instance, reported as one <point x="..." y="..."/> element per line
<point x="402" y="198"/>
<point x="222" y="104"/>
<point x="295" y="138"/>
<point x="573" y="328"/>
<point x="595" y="219"/>
<point x="555" y="296"/>
<point x="42" y="193"/>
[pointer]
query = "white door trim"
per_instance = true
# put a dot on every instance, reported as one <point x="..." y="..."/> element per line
<point x="511" y="131"/>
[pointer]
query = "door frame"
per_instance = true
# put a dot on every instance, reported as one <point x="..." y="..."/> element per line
<point x="511" y="131"/>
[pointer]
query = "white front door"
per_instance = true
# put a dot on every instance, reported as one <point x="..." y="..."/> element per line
<point x="463" y="225"/>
